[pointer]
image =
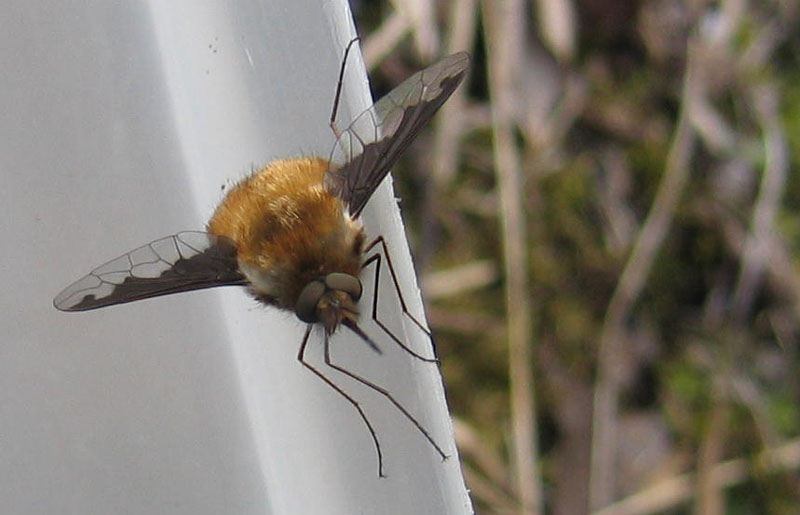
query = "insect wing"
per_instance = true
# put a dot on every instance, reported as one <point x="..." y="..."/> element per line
<point x="182" y="262"/>
<point x="369" y="147"/>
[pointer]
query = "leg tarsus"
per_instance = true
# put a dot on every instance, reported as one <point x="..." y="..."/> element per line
<point x="356" y="405"/>
<point x="376" y="258"/>
<point x="388" y="396"/>
<point x="339" y="84"/>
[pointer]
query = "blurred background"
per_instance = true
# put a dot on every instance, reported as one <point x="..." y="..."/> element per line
<point x="606" y="223"/>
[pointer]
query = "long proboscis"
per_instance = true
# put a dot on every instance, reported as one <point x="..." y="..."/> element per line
<point x="354" y="327"/>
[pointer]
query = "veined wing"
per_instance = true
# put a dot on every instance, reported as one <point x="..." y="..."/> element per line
<point x="182" y="262"/>
<point x="369" y="147"/>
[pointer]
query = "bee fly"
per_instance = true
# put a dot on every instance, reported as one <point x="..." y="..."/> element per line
<point x="291" y="232"/>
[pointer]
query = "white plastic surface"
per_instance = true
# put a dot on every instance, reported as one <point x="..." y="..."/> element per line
<point x="120" y="123"/>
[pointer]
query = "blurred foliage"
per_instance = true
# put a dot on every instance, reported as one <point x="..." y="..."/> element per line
<point x="714" y="331"/>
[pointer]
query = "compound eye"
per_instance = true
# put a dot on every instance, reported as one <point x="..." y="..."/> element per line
<point x="344" y="282"/>
<point x="306" y="307"/>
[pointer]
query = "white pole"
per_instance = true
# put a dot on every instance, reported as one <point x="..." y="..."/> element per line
<point x="131" y="120"/>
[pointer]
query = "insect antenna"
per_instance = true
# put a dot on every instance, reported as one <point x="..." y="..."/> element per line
<point x="329" y="382"/>
<point x="385" y="393"/>
<point x="376" y="258"/>
<point x="332" y="122"/>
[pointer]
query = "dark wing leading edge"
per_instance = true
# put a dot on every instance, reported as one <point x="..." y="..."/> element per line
<point x="369" y="147"/>
<point x="182" y="262"/>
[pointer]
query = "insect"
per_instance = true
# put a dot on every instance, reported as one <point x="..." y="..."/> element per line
<point x="291" y="232"/>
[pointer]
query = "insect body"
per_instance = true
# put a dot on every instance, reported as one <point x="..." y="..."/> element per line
<point x="291" y="232"/>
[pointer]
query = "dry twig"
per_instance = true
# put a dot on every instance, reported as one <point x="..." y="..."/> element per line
<point x="503" y="22"/>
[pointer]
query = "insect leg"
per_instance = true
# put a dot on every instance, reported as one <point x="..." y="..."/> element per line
<point x="356" y="405"/>
<point x="332" y="122"/>
<point x="376" y="258"/>
<point x="386" y="394"/>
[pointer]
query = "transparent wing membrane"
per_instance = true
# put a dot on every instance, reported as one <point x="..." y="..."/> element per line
<point x="369" y="147"/>
<point x="182" y="262"/>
